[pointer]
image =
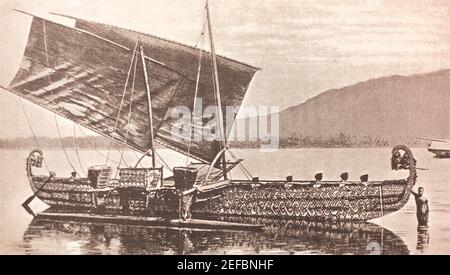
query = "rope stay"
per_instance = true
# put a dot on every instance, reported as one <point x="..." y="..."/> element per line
<point x="216" y="84"/>
<point x="202" y="34"/>
<point x="129" y="113"/>
<point x="244" y="170"/>
<point x="62" y="145"/>
<point x="51" y="93"/>
<point x="199" y="69"/>
<point x="76" y="148"/>
<point x="32" y="131"/>
<point x="92" y="146"/>
<point x="162" y="162"/>
<point x="122" y="100"/>
<point x="201" y="40"/>
<point x="137" y="158"/>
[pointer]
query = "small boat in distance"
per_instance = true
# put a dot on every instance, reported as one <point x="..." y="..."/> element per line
<point x="439" y="147"/>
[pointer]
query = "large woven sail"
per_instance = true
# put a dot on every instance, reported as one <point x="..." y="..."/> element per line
<point x="80" y="73"/>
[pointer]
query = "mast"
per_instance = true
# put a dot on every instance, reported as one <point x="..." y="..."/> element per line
<point x="217" y="90"/>
<point x="149" y="99"/>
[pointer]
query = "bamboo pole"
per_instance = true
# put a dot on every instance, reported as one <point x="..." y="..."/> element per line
<point x="217" y="88"/>
<point x="150" y="113"/>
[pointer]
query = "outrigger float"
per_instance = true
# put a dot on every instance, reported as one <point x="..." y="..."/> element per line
<point x="78" y="73"/>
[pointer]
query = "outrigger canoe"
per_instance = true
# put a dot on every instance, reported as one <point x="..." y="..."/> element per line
<point x="124" y="85"/>
<point x="282" y="199"/>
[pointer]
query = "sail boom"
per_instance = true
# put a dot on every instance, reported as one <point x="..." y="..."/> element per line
<point x="161" y="38"/>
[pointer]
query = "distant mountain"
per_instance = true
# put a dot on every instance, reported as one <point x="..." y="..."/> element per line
<point x="377" y="112"/>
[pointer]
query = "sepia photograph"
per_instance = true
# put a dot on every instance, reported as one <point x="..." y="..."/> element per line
<point x="212" y="127"/>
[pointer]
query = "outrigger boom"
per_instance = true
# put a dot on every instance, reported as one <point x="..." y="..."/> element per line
<point x="147" y="221"/>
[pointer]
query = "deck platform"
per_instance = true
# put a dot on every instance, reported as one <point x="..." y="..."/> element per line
<point x="149" y="221"/>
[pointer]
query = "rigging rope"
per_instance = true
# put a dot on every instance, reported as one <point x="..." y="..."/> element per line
<point x="219" y="127"/>
<point x="124" y="161"/>
<point x="196" y="92"/>
<point x="116" y="161"/>
<point x="51" y="93"/>
<point x="129" y="114"/>
<point x="130" y="109"/>
<point x="134" y="60"/>
<point x="219" y="115"/>
<point x="76" y="148"/>
<point x="246" y="172"/>
<point x="123" y="98"/>
<point x="201" y="36"/>
<point x="137" y="158"/>
<point x="32" y="131"/>
<point x="163" y="162"/>
<point x="92" y="146"/>
<point x="62" y="145"/>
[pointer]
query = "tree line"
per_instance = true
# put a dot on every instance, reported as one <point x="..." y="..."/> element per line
<point x="88" y="142"/>
<point x="341" y="140"/>
<point x="337" y="141"/>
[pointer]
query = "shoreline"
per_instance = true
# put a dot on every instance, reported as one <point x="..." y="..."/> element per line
<point x="237" y="148"/>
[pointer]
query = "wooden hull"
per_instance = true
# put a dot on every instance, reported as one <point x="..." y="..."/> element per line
<point x="62" y="194"/>
<point x="330" y="201"/>
<point x="440" y="153"/>
<point x="305" y="200"/>
<point x="298" y="200"/>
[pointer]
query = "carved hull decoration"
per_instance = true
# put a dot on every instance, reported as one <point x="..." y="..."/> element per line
<point x="298" y="200"/>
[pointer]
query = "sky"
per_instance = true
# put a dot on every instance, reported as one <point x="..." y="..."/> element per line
<point x="304" y="47"/>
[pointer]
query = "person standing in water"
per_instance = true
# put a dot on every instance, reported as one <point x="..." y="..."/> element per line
<point x="422" y="207"/>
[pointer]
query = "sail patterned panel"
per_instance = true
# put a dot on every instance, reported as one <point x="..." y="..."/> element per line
<point x="82" y="78"/>
<point x="234" y="79"/>
<point x="81" y="73"/>
<point x="234" y="76"/>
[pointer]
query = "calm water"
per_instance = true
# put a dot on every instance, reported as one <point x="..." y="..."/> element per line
<point x="393" y="234"/>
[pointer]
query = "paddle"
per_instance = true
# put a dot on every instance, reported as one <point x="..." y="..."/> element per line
<point x="30" y="199"/>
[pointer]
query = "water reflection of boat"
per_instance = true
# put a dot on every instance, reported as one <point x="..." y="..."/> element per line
<point x="280" y="237"/>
